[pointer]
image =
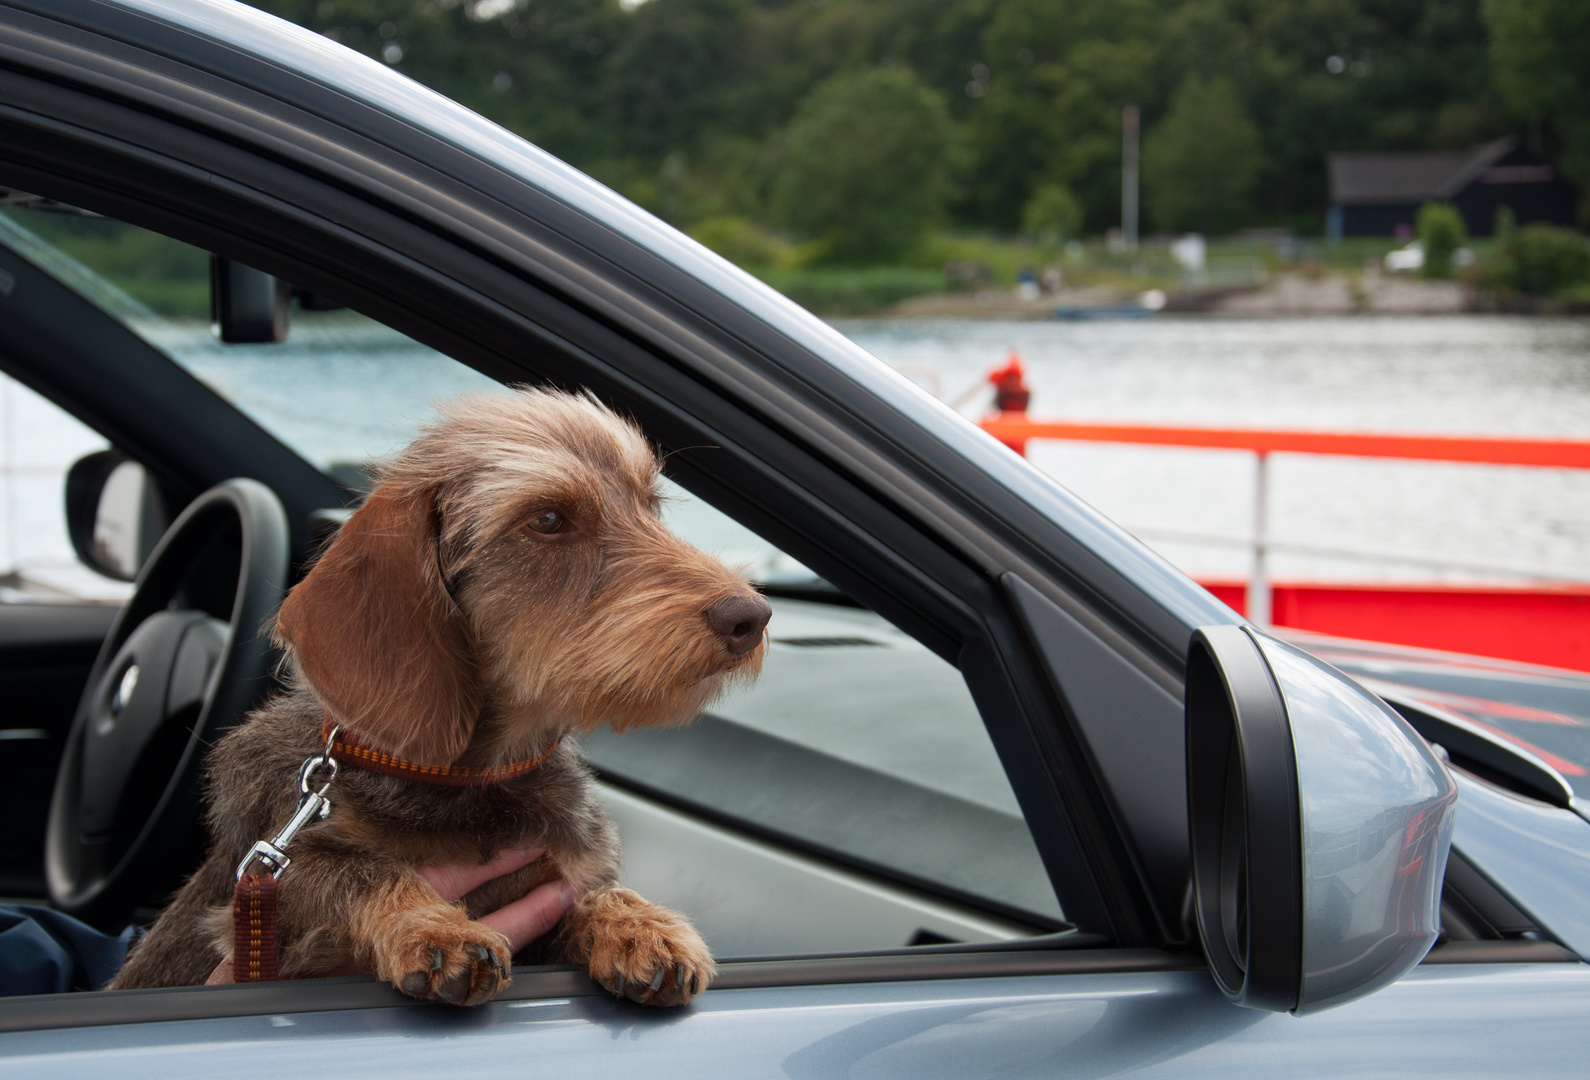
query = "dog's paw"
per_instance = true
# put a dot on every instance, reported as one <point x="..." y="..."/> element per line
<point x="641" y="951"/>
<point x="445" y="957"/>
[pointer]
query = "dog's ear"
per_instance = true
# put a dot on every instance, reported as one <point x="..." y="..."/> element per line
<point x="375" y="632"/>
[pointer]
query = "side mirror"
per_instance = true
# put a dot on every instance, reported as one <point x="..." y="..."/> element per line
<point x="1320" y="824"/>
<point x="247" y="306"/>
<point x="114" y="513"/>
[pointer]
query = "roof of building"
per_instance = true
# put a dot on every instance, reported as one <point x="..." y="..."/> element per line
<point x="1410" y="177"/>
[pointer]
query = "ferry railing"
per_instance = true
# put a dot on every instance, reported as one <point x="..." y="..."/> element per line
<point x="1014" y="429"/>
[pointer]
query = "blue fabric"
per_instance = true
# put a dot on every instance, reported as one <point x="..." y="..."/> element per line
<point x="46" y="952"/>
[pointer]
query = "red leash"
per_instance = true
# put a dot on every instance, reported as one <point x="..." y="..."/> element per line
<point x="254" y="929"/>
<point x="255" y="945"/>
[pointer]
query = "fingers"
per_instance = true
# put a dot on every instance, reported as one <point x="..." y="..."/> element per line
<point x="221" y="975"/>
<point x="455" y="880"/>
<point x="527" y="918"/>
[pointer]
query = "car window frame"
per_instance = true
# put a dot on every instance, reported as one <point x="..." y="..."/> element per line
<point x="157" y="134"/>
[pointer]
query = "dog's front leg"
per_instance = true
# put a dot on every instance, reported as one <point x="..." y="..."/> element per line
<point x="339" y="909"/>
<point x="426" y="947"/>
<point x="633" y="947"/>
<point x="637" y="949"/>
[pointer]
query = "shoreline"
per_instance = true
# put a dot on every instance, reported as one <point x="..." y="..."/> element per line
<point x="1283" y="296"/>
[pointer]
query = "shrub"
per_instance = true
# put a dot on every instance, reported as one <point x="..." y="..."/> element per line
<point x="1052" y="214"/>
<point x="1441" y="233"/>
<point x="741" y="242"/>
<point x="1539" y="260"/>
<point x="835" y="291"/>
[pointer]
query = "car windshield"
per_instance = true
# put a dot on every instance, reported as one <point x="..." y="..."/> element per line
<point x="850" y="720"/>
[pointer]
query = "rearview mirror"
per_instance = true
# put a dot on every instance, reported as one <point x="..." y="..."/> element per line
<point x="247" y="306"/>
<point x="1319" y="821"/>
<point x="114" y="513"/>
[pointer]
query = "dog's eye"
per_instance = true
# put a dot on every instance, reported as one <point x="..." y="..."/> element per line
<point x="547" y="522"/>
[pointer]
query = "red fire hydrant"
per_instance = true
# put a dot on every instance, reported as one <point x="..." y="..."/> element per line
<point x="1011" y="397"/>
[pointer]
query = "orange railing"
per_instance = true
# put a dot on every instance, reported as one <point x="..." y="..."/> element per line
<point x="1556" y="453"/>
<point x="1014" y="429"/>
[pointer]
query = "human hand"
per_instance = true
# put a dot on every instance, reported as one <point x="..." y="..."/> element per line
<point x="525" y="919"/>
<point x="521" y="922"/>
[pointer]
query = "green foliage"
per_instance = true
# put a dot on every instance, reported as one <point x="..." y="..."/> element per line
<point x="704" y="111"/>
<point x="1441" y="233"/>
<point x="546" y="71"/>
<point x="1052" y="214"/>
<point x="847" y="291"/>
<point x="1058" y="74"/>
<point x="1539" y="260"/>
<point x="1035" y="88"/>
<point x="864" y="165"/>
<point x="1199" y="163"/>
<point x="1542" y="56"/>
<point x="744" y="243"/>
<point x="166" y="275"/>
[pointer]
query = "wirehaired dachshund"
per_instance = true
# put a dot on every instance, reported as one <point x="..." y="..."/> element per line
<point x="507" y="584"/>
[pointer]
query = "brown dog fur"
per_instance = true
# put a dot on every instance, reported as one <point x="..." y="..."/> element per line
<point x="440" y="627"/>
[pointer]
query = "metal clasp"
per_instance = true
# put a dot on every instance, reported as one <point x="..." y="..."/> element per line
<point x="312" y="806"/>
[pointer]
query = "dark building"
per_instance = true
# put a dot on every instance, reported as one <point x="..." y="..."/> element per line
<point x="1372" y="194"/>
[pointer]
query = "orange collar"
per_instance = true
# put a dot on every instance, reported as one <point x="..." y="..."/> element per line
<point x="348" y="751"/>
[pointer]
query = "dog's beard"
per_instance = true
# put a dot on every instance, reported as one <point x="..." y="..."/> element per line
<point x="623" y="703"/>
<point x="689" y="697"/>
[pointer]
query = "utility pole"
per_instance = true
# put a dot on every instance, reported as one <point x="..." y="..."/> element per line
<point x="1129" y="119"/>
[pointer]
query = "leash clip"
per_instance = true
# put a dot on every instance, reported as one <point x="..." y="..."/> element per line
<point x="312" y="806"/>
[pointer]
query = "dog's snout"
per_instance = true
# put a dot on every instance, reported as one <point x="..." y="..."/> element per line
<point x="740" y="620"/>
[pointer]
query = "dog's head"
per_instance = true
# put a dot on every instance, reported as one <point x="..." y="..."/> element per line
<point x="513" y="560"/>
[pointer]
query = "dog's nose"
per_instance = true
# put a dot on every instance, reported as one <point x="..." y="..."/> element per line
<point x="740" y="620"/>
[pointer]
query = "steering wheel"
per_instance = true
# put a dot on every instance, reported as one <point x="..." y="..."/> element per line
<point x="186" y="658"/>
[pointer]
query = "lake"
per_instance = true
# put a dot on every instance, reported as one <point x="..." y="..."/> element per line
<point x="1459" y="375"/>
<point x="349" y="388"/>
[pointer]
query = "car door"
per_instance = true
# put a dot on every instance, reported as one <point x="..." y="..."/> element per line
<point x="222" y="128"/>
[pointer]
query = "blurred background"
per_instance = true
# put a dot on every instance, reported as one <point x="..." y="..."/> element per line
<point x="858" y="152"/>
<point x="1327" y="215"/>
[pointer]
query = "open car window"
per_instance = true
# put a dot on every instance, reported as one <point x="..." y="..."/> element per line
<point x="858" y="747"/>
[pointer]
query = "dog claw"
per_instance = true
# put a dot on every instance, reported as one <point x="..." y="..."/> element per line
<point x="436" y="959"/>
<point x="657" y="979"/>
<point x="416" y="982"/>
<point x="695" y="985"/>
<point x="618" y="984"/>
<point x="679" y="976"/>
<point x="480" y="952"/>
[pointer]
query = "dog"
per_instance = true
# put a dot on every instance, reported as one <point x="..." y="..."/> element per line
<point x="507" y="585"/>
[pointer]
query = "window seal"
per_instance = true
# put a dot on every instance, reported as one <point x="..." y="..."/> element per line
<point x="43" y="1012"/>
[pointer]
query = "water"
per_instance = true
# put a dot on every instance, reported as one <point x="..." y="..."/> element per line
<point x="345" y="390"/>
<point x="1460" y="375"/>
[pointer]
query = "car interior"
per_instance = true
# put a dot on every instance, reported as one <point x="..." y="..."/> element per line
<point x="849" y="801"/>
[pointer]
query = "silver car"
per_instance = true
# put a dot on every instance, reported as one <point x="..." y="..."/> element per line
<point x="1013" y="797"/>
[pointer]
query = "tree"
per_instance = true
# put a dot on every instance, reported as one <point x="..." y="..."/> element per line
<point x="1542" y="54"/>
<point x="1055" y="75"/>
<point x="864" y="165"/>
<point x="1036" y="87"/>
<point x="1199" y="162"/>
